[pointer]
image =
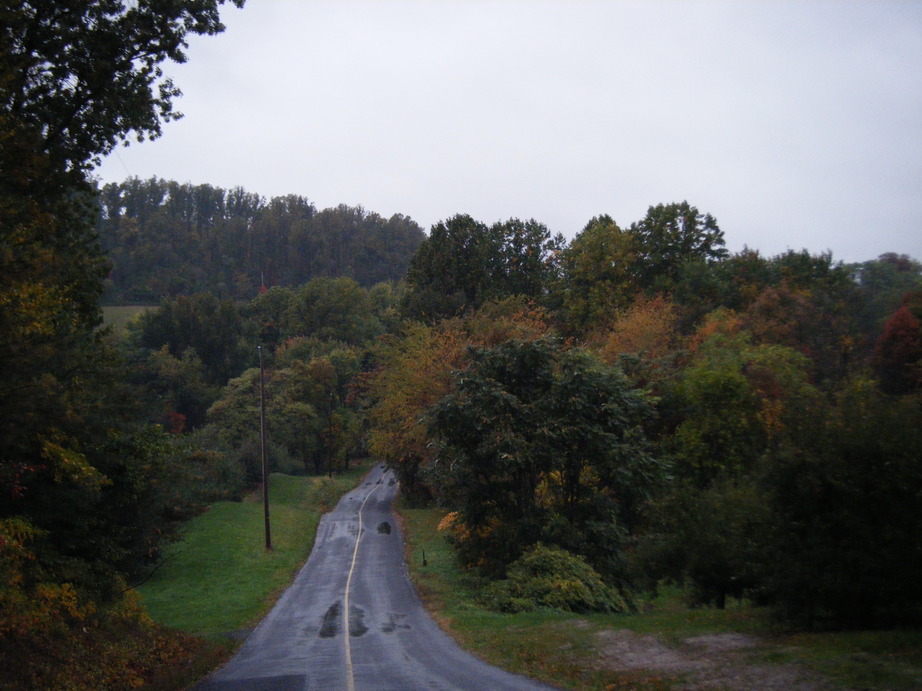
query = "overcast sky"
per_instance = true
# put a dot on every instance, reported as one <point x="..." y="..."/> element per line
<point x="796" y="124"/>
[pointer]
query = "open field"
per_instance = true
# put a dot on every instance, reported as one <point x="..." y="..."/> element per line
<point x="117" y="316"/>
<point x="666" y="646"/>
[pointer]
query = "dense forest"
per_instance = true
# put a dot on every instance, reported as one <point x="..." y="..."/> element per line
<point x="165" y="239"/>
<point x="595" y="417"/>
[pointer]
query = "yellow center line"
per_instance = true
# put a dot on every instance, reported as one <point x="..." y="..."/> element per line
<point x="350" y="677"/>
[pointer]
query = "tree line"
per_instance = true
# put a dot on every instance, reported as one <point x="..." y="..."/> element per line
<point x="654" y="408"/>
<point x="163" y="239"/>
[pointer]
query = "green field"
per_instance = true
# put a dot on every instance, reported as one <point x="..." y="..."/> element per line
<point x="666" y="645"/>
<point x="118" y="316"/>
<point x="219" y="578"/>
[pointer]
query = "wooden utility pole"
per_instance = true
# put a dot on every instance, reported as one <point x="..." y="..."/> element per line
<point x="262" y="444"/>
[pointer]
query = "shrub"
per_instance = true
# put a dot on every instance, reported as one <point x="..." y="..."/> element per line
<point x="552" y="577"/>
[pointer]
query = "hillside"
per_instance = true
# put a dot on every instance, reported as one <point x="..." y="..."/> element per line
<point x="164" y="239"/>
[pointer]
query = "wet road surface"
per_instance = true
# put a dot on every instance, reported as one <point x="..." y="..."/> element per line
<point x="351" y="619"/>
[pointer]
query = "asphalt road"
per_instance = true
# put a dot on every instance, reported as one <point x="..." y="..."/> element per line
<point x="351" y="619"/>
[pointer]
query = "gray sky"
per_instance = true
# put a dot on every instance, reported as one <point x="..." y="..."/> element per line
<point x="796" y="124"/>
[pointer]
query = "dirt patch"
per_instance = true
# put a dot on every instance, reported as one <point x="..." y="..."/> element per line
<point x="715" y="661"/>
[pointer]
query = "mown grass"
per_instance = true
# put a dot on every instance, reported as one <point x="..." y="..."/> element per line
<point x="562" y="649"/>
<point x="118" y="316"/>
<point x="219" y="578"/>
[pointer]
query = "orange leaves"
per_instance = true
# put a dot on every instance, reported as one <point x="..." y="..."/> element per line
<point x="414" y="375"/>
<point x="647" y="328"/>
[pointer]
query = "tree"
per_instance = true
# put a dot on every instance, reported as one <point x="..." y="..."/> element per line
<point x="212" y="328"/>
<point x="843" y="544"/>
<point x="597" y="276"/>
<point x="464" y="263"/>
<point x="75" y="79"/>
<point x="813" y="317"/>
<point x="79" y="78"/>
<point x="332" y="309"/>
<point x="671" y="235"/>
<point x="738" y="407"/>
<point x="539" y="444"/>
<point x="882" y="284"/>
<point x="898" y="355"/>
<point x="736" y="400"/>
<point x="414" y="371"/>
<point x="707" y="539"/>
<point x="413" y="374"/>
<point x="529" y="258"/>
<point x="643" y="340"/>
<point x="178" y="384"/>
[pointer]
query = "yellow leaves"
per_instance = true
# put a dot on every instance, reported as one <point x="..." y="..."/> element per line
<point x="505" y="320"/>
<point x="416" y="373"/>
<point x="72" y="466"/>
<point x="15" y="534"/>
<point x="62" y="598"/>
<point x="647" y="328"/>
<point x="28" y="307"/>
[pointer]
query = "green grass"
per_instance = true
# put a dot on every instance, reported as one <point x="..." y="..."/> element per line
<point x="219" y="578"/>
<point x="118" y="316"/>
<point x="890" y="659"/>
<point x="561" y="648"/>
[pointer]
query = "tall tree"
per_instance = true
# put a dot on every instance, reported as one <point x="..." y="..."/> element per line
<point x="597" y="276"/>
<point x="210" y="327"/>
<point x="671" y="235"/>
<point x="465" y="263"/>
<point x="76" y="79"/>
<point x="539" y="444"/>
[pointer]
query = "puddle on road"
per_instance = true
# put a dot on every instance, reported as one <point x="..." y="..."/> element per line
<point x="357" y="622"/>
<point x="330" y="625"/>
<point x="394" y="622"/>
<point x="384" y="528"/>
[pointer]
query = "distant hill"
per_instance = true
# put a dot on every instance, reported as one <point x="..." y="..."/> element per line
<point x="164" y="239"/>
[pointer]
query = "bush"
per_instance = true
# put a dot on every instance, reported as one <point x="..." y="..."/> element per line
<point x="551" y="577"/>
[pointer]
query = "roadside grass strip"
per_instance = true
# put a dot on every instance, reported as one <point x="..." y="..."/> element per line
<point x="219" y="580"/>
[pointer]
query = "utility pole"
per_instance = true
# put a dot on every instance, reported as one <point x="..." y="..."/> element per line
<point x="330" y="436"/>
<point x="262" y="439"/>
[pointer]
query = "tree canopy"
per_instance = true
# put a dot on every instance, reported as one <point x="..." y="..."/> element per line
<point x="166" y="239"/>
<point x="78" y="78"/>
<point x="539" y="444"/>
<point x="464" y="263"/>
<point x="83" y="497"/>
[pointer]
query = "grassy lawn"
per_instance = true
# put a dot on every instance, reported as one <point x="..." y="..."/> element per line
<point x="565" y="649"/>
<point x="117" y="316"/>
<point x="219" y="578"/>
